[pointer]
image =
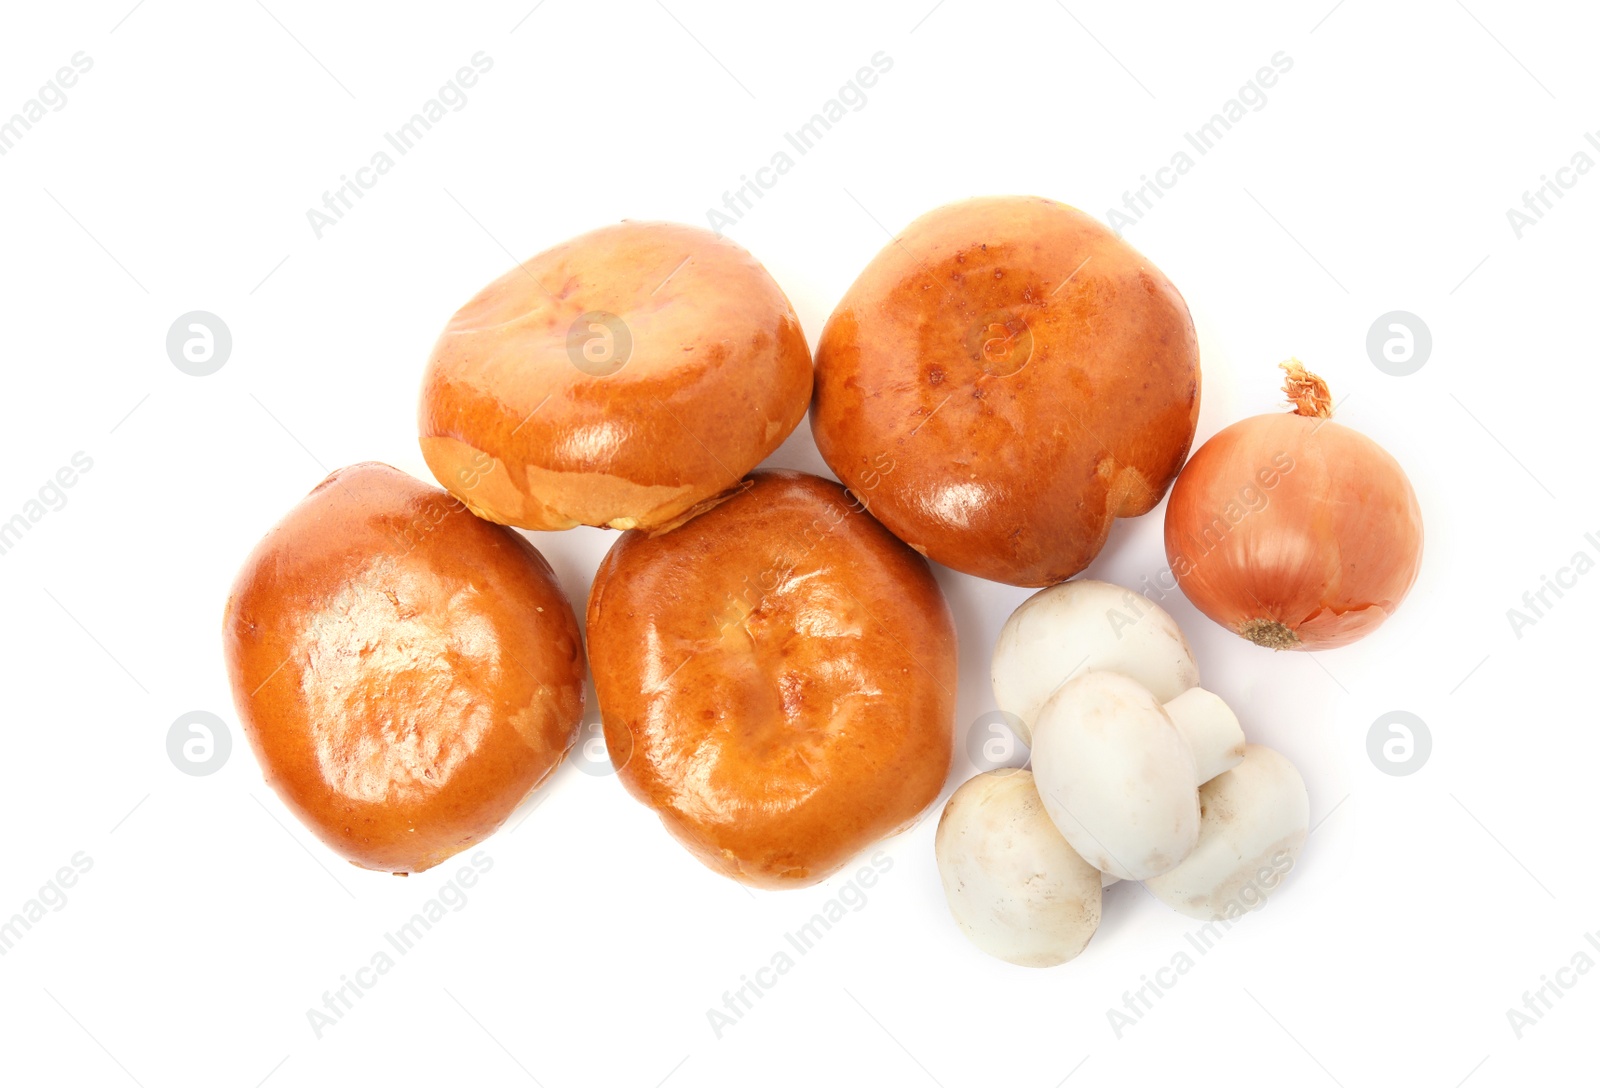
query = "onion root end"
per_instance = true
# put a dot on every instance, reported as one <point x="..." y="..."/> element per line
<point x="1273" y="634"/>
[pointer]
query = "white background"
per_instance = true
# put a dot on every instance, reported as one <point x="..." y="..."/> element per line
<point x="1376" y="178"/>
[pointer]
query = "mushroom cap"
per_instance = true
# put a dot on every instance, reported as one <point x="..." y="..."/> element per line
<point x="1116" y="776"/>
<point x="1253" y="823"/>
<point x="1015" y="887"/>
<point x="1070" y="628"/>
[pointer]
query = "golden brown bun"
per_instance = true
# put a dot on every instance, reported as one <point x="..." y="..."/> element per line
<point x="526" y="418"/>
<point x="405" y="672"/>
<point x="1002" y="381"/>
<point x="777" y="679"/>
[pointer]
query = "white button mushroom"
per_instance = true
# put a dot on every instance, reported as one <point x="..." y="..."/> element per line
<point x="1253" y="821"/>
<point x="1118" y="772"/>
<point x="1013" y="884"/>
<point x="1076" y="626"/>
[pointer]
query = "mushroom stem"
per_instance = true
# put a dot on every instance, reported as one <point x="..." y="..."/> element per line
<point x="1211" y="730"/>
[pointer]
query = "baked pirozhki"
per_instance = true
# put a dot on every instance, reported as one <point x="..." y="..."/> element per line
<point x="406" y="673"/>
<point x="624" y="378"/>
<point x="1008" y="377"/>
<point x="777" y="679"/>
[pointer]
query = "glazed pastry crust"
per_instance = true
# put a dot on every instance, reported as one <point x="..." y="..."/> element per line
<point x="525" y="420"/>
<point x="406" y="673"/>
<point x="777" y="679"/>
<point x="1029" y="377"/>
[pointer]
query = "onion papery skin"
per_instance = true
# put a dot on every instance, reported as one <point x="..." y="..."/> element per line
<point x="1295" y="532"/>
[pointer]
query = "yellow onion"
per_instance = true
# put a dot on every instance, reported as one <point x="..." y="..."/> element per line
<point x="1293" y="531"/>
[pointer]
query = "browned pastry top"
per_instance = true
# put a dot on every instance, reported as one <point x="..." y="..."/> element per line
<point x="405" y="672"/>
<point x="777" y="679"/>
<point x="1018" y="377"/>
<point x="622" y="378"/>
